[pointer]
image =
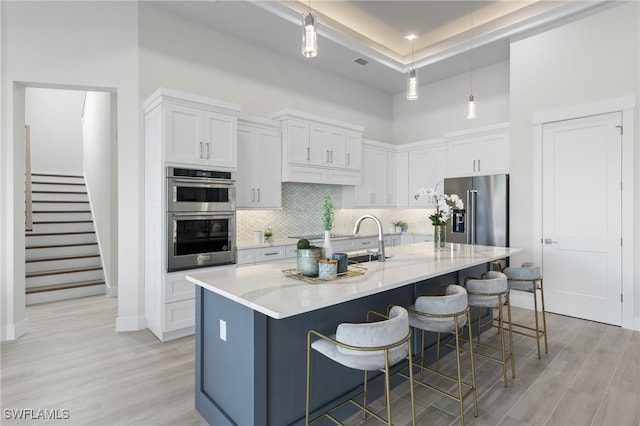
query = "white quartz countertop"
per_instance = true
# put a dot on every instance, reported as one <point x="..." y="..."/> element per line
<point x="265" y="289"/>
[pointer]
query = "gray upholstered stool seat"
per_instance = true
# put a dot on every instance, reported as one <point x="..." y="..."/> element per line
<point x="528" y="278"/>
<point x="368" y="347"/>
<point x="449" y="314"/>
<point x="491" y="291"/>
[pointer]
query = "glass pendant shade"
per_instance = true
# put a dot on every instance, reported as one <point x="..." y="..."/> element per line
<point x="309" y="36"/>
<point x="412" y="85"/>
<point x="471" y="114"/>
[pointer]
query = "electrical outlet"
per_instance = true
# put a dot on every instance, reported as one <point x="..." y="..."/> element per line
<point x="223" y="330"/>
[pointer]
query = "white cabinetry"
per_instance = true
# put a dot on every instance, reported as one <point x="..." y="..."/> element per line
<point x="479" y="151"/>
<point x="259" y="164"/>
<point x="252" y="256"/>
<point x="426" y="165"/>
<point x="190" y="131"/>
<point x="378" y="183"/>
<point x="196" y="136"/>
<point x="319" y="150"/>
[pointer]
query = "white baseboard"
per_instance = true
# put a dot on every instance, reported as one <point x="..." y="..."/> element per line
<point x="130" y="323"/>
<point x="14" y="331"/>
<point x="111" y="291"/>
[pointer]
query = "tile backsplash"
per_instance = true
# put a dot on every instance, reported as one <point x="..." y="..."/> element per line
<point x="301" y="214"/>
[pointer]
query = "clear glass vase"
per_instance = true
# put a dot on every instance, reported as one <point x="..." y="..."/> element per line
<point x="439" y="239"/>
<point x="327" y="249"/>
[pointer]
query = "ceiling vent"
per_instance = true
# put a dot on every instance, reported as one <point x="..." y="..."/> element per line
<point x="361" y="61"/>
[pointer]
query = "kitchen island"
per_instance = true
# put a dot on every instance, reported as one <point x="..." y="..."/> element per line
<point x="251" y="326"/>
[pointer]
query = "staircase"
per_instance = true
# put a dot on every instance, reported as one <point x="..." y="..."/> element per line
<point x="62" y="255"/>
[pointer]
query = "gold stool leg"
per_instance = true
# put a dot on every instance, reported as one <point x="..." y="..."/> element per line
<point x="511" y="350"/>
<point x="473" y="371"/>
<point x="502" y="345"/>
<point x="364" y="393"/>
<point x="422" y="357"/>
<point x="544" y="318"/>
<point x="437" y="353"/>
<point x="308" y="377"/>
<point x="387" y="391"/>
<point x="535" y="313"/>
<point x="460" y="393"/>
<point x="413" y="400"/>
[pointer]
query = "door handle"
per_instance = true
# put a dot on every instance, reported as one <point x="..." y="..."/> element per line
<point x="550" y="241"/>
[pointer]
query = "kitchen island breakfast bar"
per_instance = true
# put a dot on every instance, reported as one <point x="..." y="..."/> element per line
<point x="252" y="324"/>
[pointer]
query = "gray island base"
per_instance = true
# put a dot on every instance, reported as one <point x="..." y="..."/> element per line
<point x="252" y="324"/>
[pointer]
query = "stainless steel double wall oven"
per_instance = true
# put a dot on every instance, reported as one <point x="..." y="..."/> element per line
<point x="201" y="218"/>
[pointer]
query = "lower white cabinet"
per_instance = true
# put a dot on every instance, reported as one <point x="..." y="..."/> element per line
<point x="252" y="256"/>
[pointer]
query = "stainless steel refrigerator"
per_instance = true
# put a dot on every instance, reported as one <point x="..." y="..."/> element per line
<point x="485" y="218"/>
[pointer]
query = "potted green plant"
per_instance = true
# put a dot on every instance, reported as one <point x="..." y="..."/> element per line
<point x="398" y="225"/>
<point x="328" y="214"/>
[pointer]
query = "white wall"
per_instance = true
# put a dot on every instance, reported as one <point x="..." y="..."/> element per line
<point x="100" y="170"/>
<point x="182" y="55"/>
<point x="56" y="131"/>
<point x="592" y="59"/>
<point x="78" y="45"/>
<point x="441" y="107"/>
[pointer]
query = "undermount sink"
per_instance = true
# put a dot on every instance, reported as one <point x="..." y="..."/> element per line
<point x="363" y="257"/>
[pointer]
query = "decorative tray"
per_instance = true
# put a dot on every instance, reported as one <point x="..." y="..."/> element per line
<point x="352" y="271"/>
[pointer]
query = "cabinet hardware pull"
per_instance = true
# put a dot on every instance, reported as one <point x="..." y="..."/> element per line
<point x="348" y="159"/>
<point x="478" y="164"/>
<point x="258" y="190"/>
<point x="201" y="150"/>
<point x="331" y="156"/>
<point x="327" y="159"/>
<point x="208" y="150"/>
<point x="308" y="152"/>
<point x="271" y="254"/>
<point x="253" y="195"/>
<point x="474" y="165"/>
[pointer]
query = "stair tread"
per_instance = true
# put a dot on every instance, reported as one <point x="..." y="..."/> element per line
<point x="53" y="287"/>
<point x="57" y="175"/>
<point x="43" y="234"/>
<point x="38" y="191"/>
<point x="46" y="246"/>
<point x="62" y="271"/>
<point x="52" y="222"/>
<point x="68" y="257"/>
<point x="33" y="182"/>
<point x="61" y="201"/>
<point x="61" y="211"/>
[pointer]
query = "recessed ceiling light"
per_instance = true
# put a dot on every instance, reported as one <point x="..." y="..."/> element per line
<point x="411" y="37"/>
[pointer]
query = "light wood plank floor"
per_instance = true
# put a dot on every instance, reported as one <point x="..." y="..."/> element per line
<point x="73" y="359"/>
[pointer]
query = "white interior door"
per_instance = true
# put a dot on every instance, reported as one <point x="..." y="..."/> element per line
<point x="581" y="226"/>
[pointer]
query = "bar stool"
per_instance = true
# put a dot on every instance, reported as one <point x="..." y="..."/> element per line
<point x="367" y="347"/>
<point x="491" y="291"/>
<point x="529" y="279"/>
<point x="448" y="313"/>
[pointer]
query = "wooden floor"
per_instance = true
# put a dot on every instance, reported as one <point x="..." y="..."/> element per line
<point x="72" y="359"/>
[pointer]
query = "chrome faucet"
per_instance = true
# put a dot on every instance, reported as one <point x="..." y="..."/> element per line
<point x="356" y="229"/>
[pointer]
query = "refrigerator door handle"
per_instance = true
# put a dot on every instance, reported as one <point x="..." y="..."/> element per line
<point x="472" y="196"/>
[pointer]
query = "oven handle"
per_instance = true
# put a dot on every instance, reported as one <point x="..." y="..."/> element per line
<point x="225" y="182"/>
<point x="202" y="214"/>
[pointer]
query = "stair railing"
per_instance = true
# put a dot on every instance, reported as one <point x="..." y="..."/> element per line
<point x="28" y="191"/>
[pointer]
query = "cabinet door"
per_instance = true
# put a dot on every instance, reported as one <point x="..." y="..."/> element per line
<point x="336" y="144"/>
<point x="297" y="143"/>
<point x="353" y="150"/>
<point x="184" y="134"/>
<point x="319" y="145"/>
<point x="373" y="189"/>
<point x="493" y="154"/>
<point x="391" y="179"/>
<point x="267" y="163"/>
<point x="248" y="161"/>
<point x="463" y="156"/>
<point x="220" y="133"/>
<point x="427" y="167"/>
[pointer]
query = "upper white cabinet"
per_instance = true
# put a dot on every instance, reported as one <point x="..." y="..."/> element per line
<point x="378" y="183"/>
<point x="426" y="164"/>
<point x="259" y="164"/>
<point x="196" y="130"/>
<point x="480" y="151"/>
<point x="319" y="150"/>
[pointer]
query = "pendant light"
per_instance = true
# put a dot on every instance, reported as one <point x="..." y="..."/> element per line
<point x="471" y="105"/>
<point x="412" y="82"/>
<point x="309" y="35"/>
